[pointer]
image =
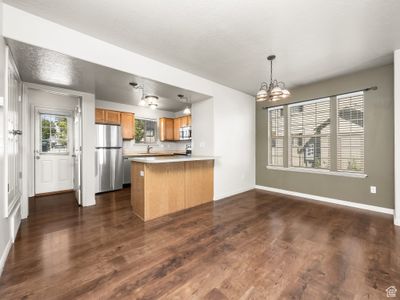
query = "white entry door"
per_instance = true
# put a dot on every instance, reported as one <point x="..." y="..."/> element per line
<point x="54" y="161"/>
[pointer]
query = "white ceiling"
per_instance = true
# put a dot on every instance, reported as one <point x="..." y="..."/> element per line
<point x="43" y="66"/>
<point x="228" y="41"/>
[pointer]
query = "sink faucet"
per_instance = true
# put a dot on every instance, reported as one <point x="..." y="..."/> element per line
<point x="149" y="148"/>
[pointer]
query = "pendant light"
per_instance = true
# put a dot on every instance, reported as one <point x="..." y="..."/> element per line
<point x="273" y="91"/>
<point x="187" y="110"/>
<point x="148" y="100"/>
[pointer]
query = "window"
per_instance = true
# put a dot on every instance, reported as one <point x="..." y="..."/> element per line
<point x="301" y="137"/>
<point x="350" y="132"/>
<point x="145" y="131"/>
<point x="309" y="134"/>
<point x="276" y="136"/>
<point x="53" y="133"/>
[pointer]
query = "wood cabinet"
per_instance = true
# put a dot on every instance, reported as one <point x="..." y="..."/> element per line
<point x="166" y="129"/>
<point x="128" y="125"/>
<point x="169" y="128"/>
<point x="161" y="189"/>
<point x="100" y="116"/>
<point x="113" y="117"/>
<point x="177" y="126"/>
<point x="184" y="121"/>
<point x="104" y="116"/>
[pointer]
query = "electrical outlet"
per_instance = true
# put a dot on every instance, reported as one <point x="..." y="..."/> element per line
<point x="372" y="189"/>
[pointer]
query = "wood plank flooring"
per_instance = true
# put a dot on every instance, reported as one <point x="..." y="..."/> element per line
<point x="255" y="245"/>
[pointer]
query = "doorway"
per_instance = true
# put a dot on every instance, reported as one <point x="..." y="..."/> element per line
<point x="55" y="143"/>
<point x="53" y="152"/>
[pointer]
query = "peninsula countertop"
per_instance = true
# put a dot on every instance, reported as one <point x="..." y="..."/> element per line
<point x="169" y="159"/>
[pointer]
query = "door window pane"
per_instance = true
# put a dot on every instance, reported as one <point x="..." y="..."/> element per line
<point x="53" y="133"/>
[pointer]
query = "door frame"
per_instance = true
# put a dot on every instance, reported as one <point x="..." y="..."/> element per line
<point x="36" y="123"/>
<point x="11" y="209"/>
<point x="29" y="114"/>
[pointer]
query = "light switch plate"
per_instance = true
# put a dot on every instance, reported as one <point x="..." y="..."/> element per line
<point x="372" y="189"/>
<point x="141" y="173"/>
<point x="1" y="101"/>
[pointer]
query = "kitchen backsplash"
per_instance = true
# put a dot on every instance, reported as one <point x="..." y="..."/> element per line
<point x="157" y="147"/>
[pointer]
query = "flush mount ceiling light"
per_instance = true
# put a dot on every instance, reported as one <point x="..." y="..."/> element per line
<point x="152" y="101"/>
<point x="273" y="91"/>
<point x="184" y="99"/>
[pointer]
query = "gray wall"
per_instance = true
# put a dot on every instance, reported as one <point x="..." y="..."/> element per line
<point x="379" y="143"/>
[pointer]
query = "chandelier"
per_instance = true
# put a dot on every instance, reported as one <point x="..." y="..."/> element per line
<point x="273" y="91"/>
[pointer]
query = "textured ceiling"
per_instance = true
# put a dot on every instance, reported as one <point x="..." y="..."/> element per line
<point x="228" y="41"/>
<point x="38" y="65"/>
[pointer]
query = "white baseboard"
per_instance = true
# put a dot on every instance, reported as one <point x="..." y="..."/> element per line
<point x="328" y="200"/>
<point x="225" y="195"/>
<point x="4" y="255"/>
<point x="396" y="221"/>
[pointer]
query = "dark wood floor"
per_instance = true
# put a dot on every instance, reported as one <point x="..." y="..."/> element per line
<point x="256" y="245"/>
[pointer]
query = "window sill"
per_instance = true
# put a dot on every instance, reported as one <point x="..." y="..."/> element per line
<point x="314" y="171"/>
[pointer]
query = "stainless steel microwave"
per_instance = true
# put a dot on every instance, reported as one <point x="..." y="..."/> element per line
<point x="185" y="133"/>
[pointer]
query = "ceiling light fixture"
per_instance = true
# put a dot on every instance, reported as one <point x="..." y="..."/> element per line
<point x="273" y="91"/>
<point x="187" y="110"/>
<point x="152" y="101"/>
<point x="149" y="100"/>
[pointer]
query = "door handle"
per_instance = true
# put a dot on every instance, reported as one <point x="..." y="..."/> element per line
<point x="73" y="155"/>
<point x="37" y="157"/>
<point x="15" y="132"/>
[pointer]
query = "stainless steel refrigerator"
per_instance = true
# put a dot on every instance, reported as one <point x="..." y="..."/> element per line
<point x="109" y="162"/>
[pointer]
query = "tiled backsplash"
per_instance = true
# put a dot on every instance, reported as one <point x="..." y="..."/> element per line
<point x="131" y="146"/>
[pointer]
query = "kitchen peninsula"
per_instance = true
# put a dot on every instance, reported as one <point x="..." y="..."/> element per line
<point x="167" y="184"/>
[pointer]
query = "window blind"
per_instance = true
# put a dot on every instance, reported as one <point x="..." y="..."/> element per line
<point x="276" y="136"/>
<point x="309" y="134"/>
<point x="350" y="133"/>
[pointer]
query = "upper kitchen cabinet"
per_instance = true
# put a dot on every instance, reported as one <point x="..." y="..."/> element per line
<point x="113" y="117"/>
<point x="166" y="129"/>
<point x="177" y="126"/>
<point x="100" y="116"/>
<point x="183" y="121"/>
<point x="128" y="125"/>
<point x="171" y="129"/>
<point x="104" y="116"/>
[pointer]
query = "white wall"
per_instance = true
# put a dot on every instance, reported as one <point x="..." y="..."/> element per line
<point x="203" y="128"/>
<point x="5" y="235"/>
<point x="397" y="137"/>
<point x="233" y="111"/>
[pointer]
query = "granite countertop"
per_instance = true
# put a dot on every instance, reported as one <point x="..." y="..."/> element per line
<point x="169" y="159"/>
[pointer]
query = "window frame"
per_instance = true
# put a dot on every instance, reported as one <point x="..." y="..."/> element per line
<point x="69" y="132"/>
<point x="155" y="131"/>
<point x="337" y="131"/>
<point x="270" y="137"/>
<point x="333" y="149"/>
<point x="289" y="133"/>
